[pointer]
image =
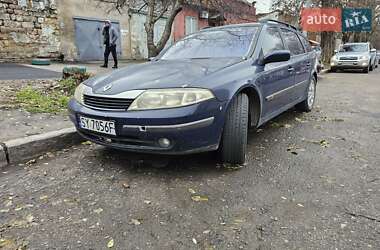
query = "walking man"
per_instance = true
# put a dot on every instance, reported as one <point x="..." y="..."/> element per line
<point x="110" y="38"/>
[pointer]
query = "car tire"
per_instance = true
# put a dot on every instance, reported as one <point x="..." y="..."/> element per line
<point x="371" y="68"/>
<point x="235" y="132"/>
<point x="333" y="70"/>
<point x="308" y="104"/>
<point x="366" y="70"/>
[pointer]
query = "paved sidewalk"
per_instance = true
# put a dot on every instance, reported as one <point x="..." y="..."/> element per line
<point x="10" y="71"/>
<point x="92" y="67"/>
<point x="17" y="123"/>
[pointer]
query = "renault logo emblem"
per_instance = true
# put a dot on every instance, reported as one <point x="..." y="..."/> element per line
<point x="107" y="87"/>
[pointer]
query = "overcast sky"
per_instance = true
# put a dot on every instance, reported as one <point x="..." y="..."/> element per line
<point x="263" y="5"/>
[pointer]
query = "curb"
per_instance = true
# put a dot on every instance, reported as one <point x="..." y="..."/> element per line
<point x="22" y="149"/>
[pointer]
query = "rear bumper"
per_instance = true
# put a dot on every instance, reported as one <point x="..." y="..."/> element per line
<point x="191" y="129"/>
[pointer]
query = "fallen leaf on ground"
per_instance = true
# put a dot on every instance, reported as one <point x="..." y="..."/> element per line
<point x="195" y="241"/>
<point x="86" y="143"/>
<point x="199" y="198"/>
<point x="110" y="243"/>
<point x="31" y="162"/>
<point x="192" y="191"/>
<point x="135" y="222"/>
<point x="98" y="211"/>
<point x="147" y="202"/>
<point x="126" y="185"/>
<point x="44" y="197"/>
<point x="29" y="218"/>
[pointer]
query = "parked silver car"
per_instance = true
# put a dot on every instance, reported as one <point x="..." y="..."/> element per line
<point x="354" y="56"/>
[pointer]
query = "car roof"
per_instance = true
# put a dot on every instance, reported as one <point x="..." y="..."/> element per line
<point x="355" y="43"/>
<point x="257" y="24"/>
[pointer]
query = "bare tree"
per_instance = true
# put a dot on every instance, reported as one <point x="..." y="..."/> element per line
<point x="156" y="9"/>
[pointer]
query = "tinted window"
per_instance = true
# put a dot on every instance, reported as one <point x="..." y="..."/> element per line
<point x="224" y="42"/>
<point x="272" y="41"/>
<point x="293" y="42"/>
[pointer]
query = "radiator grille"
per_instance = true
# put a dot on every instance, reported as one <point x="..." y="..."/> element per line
<point x="108" y="103"/>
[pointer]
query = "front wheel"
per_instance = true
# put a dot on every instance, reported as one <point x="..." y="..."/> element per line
<point x="235" y="132"/>
<point x="308" y="104"/>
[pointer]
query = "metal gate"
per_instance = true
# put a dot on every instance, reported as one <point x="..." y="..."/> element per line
<point x="89" y="38"/>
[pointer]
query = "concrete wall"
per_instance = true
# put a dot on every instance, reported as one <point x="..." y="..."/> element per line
<point x="28" y="30"/>
<point x="67" y="9"/>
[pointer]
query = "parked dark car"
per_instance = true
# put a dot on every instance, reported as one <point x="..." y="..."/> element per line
<point x="201" y="94"/>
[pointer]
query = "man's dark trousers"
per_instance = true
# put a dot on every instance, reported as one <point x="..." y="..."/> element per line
<point x="111" y="49"/>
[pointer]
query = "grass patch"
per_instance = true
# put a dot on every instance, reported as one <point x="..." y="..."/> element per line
<point x="53" y="99"/>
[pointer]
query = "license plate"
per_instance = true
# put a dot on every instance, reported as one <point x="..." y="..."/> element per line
<point x="105" y="127"/>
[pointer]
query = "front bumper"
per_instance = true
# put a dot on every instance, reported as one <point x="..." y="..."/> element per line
<point x="360" y="64"/>
<point x="191" y="129"/>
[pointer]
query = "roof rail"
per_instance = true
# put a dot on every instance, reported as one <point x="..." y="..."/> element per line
<point x="279" y="22"/>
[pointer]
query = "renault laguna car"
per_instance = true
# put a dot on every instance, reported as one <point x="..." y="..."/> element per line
<point x="201" y="94"/>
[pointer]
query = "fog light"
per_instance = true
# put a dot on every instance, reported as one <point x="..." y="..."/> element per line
<point x="365" y="64"/>
<point x="164" y="142"/>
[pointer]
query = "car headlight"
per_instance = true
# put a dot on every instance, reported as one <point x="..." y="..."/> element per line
<point x="170" y="98"/>
<point x="78" y="95"/>
<point x="363" y="58"/>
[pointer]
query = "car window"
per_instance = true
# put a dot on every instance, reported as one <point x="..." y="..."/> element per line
<point x="272" y="41"/>
<point x="293" y="42"/>
<point x="219" y="43"/>
<point x="306" y="44"/>
<point x="354" y="48"/>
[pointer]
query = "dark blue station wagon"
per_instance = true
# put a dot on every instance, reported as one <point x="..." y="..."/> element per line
<point x="201" y="94"/>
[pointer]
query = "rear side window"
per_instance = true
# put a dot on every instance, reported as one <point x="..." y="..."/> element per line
<point x="306" y="44"/>
<point x="293" y="42"/>
<point x="272" y="41"/>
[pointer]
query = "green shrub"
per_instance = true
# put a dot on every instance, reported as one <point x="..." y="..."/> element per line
<point x="51" y="100"/>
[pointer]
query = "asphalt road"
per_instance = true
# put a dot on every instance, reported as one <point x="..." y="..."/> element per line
<point x="10" y="71"/>
<point x="312" y="182"/>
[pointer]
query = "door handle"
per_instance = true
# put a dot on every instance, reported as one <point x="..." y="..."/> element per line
<point x="290" y="69"/>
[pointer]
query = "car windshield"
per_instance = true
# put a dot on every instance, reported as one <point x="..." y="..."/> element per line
<point x="225" y="42"/>
<point x="354" y="48"/>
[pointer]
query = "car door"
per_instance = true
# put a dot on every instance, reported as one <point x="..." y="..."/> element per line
<point x="301" y="63"/>
<point x="275" y="78"/>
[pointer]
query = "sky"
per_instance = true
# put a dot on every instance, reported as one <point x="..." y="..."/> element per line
<point x="263" y="5"/>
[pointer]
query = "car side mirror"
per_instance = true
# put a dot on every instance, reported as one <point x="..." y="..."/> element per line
<point x="373" y="50"/>
<point x="335" y="51"/>
<point x="277" y="56"/>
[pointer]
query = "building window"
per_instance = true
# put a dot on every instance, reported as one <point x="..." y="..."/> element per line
<point x="191" y="25"/>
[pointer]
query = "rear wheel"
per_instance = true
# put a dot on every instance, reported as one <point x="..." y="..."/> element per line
<point x="235" y="132"/>
<point x="308" y="104"/>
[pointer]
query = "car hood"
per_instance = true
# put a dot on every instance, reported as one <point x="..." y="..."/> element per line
<point x="350" y="54"/>
<point x="157" y="74"/>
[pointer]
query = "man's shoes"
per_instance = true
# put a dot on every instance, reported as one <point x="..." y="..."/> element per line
<point x="114" y="67"/>
<point x="104" y="66"/>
